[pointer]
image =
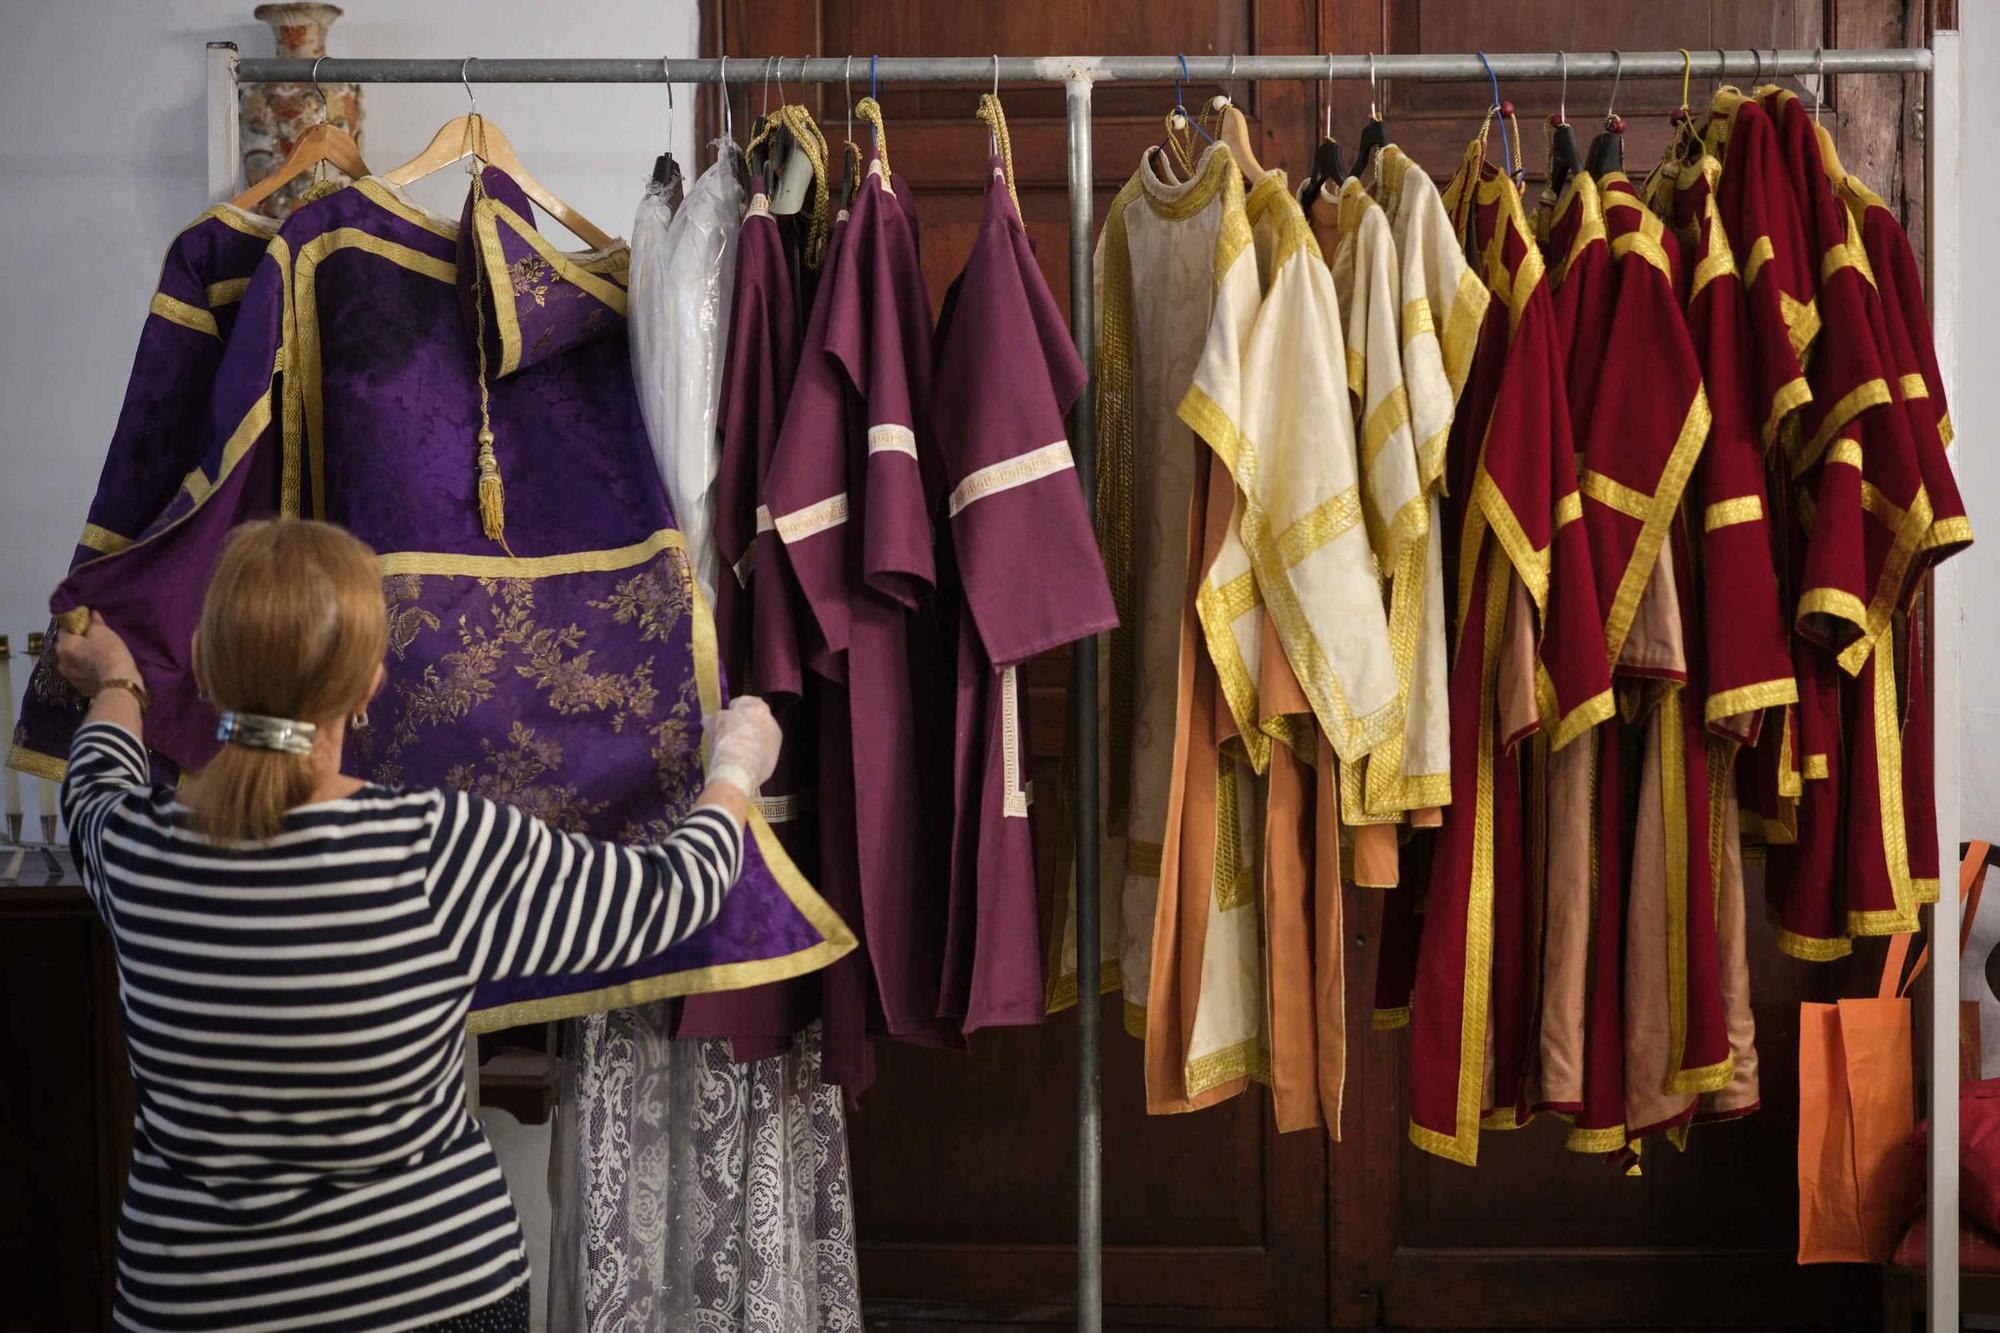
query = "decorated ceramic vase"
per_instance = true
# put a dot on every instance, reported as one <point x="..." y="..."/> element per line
<point x="274" y="115"/>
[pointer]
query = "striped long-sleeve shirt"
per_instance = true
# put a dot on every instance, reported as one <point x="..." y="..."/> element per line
<point x="295" y="1011"/>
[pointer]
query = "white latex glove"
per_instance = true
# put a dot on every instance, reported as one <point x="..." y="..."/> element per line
<point x="743" y="744"/>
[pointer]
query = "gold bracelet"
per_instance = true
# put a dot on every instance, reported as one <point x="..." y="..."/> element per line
<point x="133" y="687"/>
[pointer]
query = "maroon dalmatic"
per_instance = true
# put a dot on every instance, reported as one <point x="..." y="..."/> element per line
<point x="1032" y="580"/>
<point x="850" y="491"/>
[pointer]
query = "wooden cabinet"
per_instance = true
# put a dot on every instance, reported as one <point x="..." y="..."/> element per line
<point x="65" y="1110"/>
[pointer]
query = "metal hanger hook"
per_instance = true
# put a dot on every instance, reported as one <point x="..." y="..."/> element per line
<point x="462" y="78"/>
<point x="874" y="84"/>
<point x="1617" y="77"/>
<point x="996" y="74"/>
<point x="847" y="83"/>
<point x="1499" y="114"/>
<point x="324" y="112"/>
<point x="1819" y="81"/>
<point x="1374" y="112"/>
<point x="1687" y="73"/>
<point x="1562" y="96"/>
<point x="728" y="111"/>
<point x="770" y="62"/>
<point x="665" y="70"/>
<point x="1328" y="129"/>
<point x="1757" y="55"/>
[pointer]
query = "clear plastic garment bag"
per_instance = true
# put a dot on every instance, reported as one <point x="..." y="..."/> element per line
<point x="690" y="1191"/>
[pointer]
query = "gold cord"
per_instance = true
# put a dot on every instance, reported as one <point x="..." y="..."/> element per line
<point x="870" y="110"/>
<point x="996" y="120"/>
<point x="492" y="501"/>
<point x="812" y="142"/>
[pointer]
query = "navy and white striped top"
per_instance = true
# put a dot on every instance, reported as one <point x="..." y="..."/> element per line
<point x="295" y="1010"/>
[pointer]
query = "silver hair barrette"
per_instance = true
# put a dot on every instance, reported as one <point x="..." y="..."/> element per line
<point x="266" y="733"/>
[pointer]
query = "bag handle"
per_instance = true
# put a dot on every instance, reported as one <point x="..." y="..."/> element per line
<point x="1971" y="884"/>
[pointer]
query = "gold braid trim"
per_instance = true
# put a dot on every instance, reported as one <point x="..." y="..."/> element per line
<point x="1115" y="504"/>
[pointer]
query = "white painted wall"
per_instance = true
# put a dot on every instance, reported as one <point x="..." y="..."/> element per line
<point x="103" y="159"/>
<point x="1975" y="409"/>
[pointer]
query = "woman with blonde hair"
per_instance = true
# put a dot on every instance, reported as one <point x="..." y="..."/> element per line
<point x="297" y="950"/>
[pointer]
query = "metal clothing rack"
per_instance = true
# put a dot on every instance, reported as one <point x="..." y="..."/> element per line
<point x="1078" y="75"/>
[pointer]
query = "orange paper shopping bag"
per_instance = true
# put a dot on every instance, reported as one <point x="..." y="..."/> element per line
<point x="1858" y="1173"/>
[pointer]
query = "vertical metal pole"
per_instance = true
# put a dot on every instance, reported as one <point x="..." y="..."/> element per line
<point x="1083" y="737"/>
<point x="1943" y="129"/>
<point x="225" y="156"/>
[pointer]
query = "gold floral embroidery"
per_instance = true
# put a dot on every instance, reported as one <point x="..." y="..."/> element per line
<point x="509" y="636"/>
<point x="47" y="682"/>
<point x="511" y="775"/>
<point x="656" y="598"/>
<point x="532" y="277"/>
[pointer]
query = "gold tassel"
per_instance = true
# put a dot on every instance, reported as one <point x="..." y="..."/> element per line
<point x="492" y="503"/>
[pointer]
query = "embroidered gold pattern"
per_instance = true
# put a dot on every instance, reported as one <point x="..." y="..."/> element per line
<point x="815" y="518"/>
<point x="1018" y="795"/>
<point x="891" y="438"/>
<point x="1009" y="473"/>
<point x="102" y="539"/>
<point x="185" y="315"/>
<point x="531" y="276"/>
<point x="1728" y="513"/>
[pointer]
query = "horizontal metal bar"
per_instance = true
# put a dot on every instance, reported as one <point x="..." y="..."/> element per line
<point x="1710" y="64"/>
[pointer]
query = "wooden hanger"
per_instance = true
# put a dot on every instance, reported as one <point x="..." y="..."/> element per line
<point x="454" y="143"/>
<point x="473" y="134"/>
<point x="1235" y="136"/>
<point x="325" y="142"/>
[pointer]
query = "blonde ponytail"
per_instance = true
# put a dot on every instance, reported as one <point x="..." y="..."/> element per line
<point x="242" y="794"/>
<point x="293" y="626"/>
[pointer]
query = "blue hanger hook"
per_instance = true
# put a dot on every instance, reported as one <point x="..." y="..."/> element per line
<point x="874" y="84"/>
<point x="1180" y="104"/>
<point x="1506" y="150"/>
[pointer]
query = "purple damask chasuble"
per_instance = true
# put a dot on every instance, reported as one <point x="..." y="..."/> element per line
<point x="567" y="671"/>
<point x="1031" y="580"/>
<point x="158" y="438"/>
<point x="850" y="491"/>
